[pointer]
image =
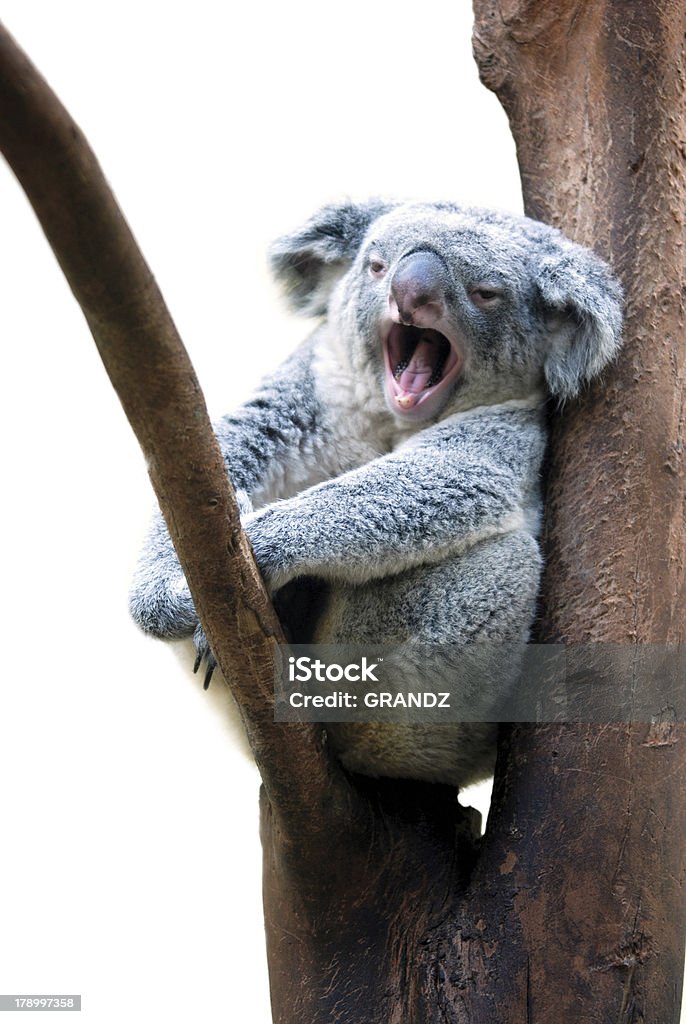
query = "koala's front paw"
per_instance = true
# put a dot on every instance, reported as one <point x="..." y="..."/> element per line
<point x="270" y="545"/>
<point x="203" y="654"/>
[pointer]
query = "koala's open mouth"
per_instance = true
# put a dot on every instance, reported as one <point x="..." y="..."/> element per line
<point x="420" y="362"/>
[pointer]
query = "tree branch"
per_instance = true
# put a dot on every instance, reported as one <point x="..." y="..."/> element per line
<point x="156" y="384"/>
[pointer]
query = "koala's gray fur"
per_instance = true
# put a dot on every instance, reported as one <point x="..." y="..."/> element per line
<point x="394" y="459"/>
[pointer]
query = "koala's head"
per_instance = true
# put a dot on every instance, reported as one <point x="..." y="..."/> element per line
<point x="453" y="307"/>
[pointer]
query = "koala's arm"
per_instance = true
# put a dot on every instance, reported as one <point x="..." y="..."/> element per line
<point x="274" y="444"/>
<point x="453" y="486"/>
<point x="279" y="439"/>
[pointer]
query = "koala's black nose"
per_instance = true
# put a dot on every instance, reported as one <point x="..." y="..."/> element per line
<point x="418" y="289"/>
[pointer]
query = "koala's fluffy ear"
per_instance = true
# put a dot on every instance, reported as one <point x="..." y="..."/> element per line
<point x="309" y="262"/>
<point x="582" y="303"/>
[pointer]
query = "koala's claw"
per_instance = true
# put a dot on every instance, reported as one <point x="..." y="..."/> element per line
<point x="211" y="663"/>
<point x="204" y="653"/>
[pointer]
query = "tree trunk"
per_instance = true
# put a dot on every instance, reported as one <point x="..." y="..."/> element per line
<point x="595" y="97"/>
<point x="380" y="905"/>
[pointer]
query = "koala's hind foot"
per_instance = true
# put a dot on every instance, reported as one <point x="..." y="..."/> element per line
<point x="203" y="656"/>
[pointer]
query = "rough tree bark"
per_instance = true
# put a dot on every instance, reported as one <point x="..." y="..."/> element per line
<point x="594" y="92"/>
<point x="379" y="905"/>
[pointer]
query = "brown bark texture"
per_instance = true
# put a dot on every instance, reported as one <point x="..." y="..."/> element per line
<point x="594" y="92"/>
<point x="380" y="905"/>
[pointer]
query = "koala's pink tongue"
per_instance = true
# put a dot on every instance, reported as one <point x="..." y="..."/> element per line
<point x="418" y="371"/>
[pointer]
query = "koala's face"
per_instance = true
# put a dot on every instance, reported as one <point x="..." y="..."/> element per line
<point x="450" y="308"/>
<point x="445" y="301"/>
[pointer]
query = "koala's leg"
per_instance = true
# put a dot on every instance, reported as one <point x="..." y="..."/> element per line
<point x="486" y="594"/>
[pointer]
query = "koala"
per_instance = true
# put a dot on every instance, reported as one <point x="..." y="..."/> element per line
<point x="388" y="472"/>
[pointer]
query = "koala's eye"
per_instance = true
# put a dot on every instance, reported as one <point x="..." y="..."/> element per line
<point x="486" y="298"/>
<point x="377" y="267"/>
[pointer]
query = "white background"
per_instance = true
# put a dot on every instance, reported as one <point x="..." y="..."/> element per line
<point x="129" y="856"/>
